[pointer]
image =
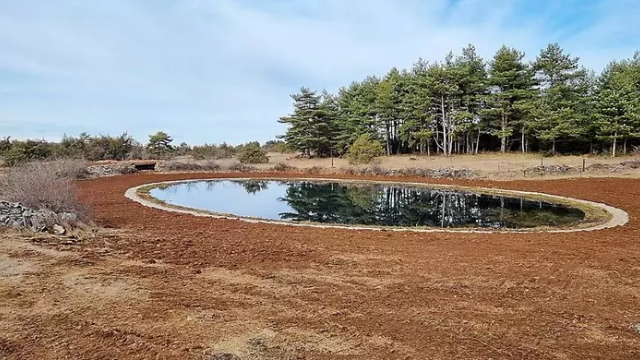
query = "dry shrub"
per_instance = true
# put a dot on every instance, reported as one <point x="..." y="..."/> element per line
<point x="177" y="165"/>
<point x="45" y="186"/>
<point x="68" y="168"/>
<point x="633" y="164"/>
<point x="414" y="172"/>
<point x="316" y="169"/>
<point x="375" y="170"/>
<point x="551" y="169"/>
<point x="282" y="167"/>
<point x="239" y="167"/>
<point x="442" y="172"/>
<point x="352" y="170"/>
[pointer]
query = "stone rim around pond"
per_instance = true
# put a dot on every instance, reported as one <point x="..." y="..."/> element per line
<point x="598" y="216"/>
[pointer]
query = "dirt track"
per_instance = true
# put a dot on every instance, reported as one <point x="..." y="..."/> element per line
<point x="161" y="285"/>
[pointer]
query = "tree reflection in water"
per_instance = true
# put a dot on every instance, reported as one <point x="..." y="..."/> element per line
<point x="368" y="204"/>
<point x="384" y="205"/>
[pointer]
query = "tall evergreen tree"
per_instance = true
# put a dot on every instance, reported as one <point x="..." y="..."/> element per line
<point x="557" y="109"/>
<point x="473" y="84"/>
<point x="442" y="80"/>
<point x="618" y="102"/>
<point x="419" y="124"/>
<point x="511" y="83"/>
<point x="356" y="112"/>
<point x="311" y="124"/>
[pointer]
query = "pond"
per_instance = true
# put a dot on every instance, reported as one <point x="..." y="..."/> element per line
<point x="368" y="204"/>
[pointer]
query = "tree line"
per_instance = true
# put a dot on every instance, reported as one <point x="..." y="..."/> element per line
<point x="464" y="104"/>
<point x="123" y="147"/>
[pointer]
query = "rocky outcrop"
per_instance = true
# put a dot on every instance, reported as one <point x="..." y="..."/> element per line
<point x="16" y="215"/>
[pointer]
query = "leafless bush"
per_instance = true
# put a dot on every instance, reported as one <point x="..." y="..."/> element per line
<point x="414" y="172"/>
<point x="443" y="172"/>
<point x="177" y="165"/>
<point x="551" y="169"/>
<point x="240" y="167"/>
<point x="354" y="170"/>
<point x="282" y="167"/>
<point x="69" y="168"/>
<point x="633" y="164"/>
<point x="375" y="170"/>
<point x="314" y="170"/>
<point x="598" y="167"/>
<point x="44" y="186"/>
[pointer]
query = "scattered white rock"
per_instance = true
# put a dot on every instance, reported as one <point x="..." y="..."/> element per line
<point x="59" y="229"/>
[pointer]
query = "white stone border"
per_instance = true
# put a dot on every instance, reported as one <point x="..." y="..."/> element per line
<point x="618" y="217"/>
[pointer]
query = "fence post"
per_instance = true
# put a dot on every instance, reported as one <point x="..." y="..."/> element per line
<point x="331" y="158"/>
<point x="584" y="164"/>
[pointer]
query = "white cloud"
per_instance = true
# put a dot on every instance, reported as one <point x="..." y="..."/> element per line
<point x="215" y="70"/>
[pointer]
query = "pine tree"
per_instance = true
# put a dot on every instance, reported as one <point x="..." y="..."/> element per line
<point x="388" y="105"/>
<point x="311" y="126"/>
<point x="442" y="80"/>
<point x="618" y="102"/>
<point x="473" y="85"/>
<point x="160" y="143"/>
<point x="419" y="123"/>
<point x="511" y="82"/>
<point x="558" y="74"/>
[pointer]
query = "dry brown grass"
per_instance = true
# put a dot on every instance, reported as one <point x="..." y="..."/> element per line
<point x="491" y="165"/>
<point x="494" y="166"/>
<point x="47" y="185"/>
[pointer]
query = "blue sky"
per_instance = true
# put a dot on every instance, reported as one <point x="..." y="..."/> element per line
<point x="223" y="70"/>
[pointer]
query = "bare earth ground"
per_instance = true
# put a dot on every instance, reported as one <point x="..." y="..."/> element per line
<point x="160" y="285"/>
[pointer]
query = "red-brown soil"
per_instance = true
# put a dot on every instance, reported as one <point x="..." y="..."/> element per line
<point x="160" y="285"/>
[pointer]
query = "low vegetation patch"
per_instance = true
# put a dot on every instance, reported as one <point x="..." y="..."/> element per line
<point x="376" y="170"/>
<point x="550" y="169"/>
<point x="443" y="172"/>
<point x="314" y="170"/>
<point x="282" y="167"/>
<point x="46" y="185"/>
<point x="239" y="167"/>
<point x="177" y="165"/>
<point x="632" y="164"/>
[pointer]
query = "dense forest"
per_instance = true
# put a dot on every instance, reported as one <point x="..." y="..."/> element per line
<point x="464" y="104"/>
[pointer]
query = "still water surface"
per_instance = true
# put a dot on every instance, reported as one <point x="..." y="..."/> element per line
<point x="365" y="204"/>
